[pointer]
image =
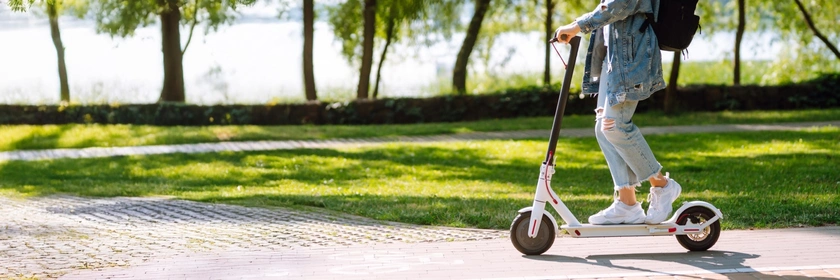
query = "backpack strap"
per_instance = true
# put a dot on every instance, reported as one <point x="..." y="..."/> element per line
<point x="649" y="19"/>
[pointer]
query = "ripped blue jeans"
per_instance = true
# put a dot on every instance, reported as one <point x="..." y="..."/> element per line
<point x="628" y="155"/>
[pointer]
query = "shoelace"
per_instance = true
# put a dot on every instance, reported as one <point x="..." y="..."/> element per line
<point x="653" y="197"/>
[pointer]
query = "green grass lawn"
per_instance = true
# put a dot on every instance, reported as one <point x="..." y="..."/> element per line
<point x="758" y="179"/>
<point x="26" y="137"/>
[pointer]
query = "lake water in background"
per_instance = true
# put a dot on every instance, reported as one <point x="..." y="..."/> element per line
<point x="256" y="60"/>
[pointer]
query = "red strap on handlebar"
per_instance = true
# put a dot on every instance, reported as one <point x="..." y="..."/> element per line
<point x="561" y="57"/>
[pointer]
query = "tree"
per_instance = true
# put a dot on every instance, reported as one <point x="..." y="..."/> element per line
<point x="459" y="73"/>
<point x="53" y="13"/>
<point x="549" y="33"/>
<point x="809" y="46"/>
<point x="308" y="37"/>
<point x="173" y="57"/>
<point x="812" y="26"/>
<point x="390" y="30"/>
<point x="418" y="18"/>
<point x="54" y="9"/>
<point x="369" y="17"/>
<point x="122" y="18"/>
<point x="517" y="16"/>
<point x="345" y="19"/>
<point x="739" y="35"/>
<point x="419" y="21"/>
<point x="671" y="91"/>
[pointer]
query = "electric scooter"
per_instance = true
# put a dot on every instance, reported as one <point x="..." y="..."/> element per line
<point x="695" y="224"/>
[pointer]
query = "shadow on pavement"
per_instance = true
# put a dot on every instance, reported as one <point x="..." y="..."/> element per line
<point x="720" y="262"/>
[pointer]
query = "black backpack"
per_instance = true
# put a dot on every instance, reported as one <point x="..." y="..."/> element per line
<point x="676" y="26"/>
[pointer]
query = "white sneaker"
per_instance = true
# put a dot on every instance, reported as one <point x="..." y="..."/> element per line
<point x="619" y="213"/>
<point x="661" y="200"/>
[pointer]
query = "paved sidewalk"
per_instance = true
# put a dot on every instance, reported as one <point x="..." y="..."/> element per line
<point x="334" y="143"/>
<point x="803" y="253"/>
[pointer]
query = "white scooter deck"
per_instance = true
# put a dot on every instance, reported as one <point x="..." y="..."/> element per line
<point x="669" y="227"/>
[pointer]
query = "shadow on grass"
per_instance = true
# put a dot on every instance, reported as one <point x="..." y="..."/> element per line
<point x="46" y="138"/>
<point x="471" y="184"/>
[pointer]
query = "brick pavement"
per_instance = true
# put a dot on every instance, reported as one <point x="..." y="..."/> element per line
<point x="50" y="236"/>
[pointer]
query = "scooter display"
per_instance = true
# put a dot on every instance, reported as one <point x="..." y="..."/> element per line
<point x="695" y="224"/>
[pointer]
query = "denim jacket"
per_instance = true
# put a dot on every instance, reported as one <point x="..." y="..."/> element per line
<point x="633" y="60"/>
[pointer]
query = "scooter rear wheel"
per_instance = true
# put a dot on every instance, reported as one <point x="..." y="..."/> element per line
<point x="704" y="239"/>
<point x="527" y="245"/>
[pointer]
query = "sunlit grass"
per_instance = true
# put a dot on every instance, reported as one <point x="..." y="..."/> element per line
<point x="758" y="179"/>
<point x="24" y="137"/>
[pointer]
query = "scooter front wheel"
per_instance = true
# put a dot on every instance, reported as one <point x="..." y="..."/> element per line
<point x="704" y="239"/>
<point x="527" y="245"/>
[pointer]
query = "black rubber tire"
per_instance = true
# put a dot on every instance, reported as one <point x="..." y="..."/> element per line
<point x="532" y="246"/>
<point x="699" y="241"/>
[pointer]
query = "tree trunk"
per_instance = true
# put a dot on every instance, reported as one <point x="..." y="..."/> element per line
<point x="549" y="33"/>
<point x="308" y="37"/>
<point x="192" y="28"/>
<point x="173" y="66"/>
<point x="671" y="90"/>
<point x="739" y="35"/>
<point x="389" y="37"/>
<point x="817" y="32"/>
<point x="367" y="51"/>
<point x="52" y="11"/>
<point x="459" y="74"/>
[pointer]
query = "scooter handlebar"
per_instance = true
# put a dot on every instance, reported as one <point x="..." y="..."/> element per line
<point x="563" y="37"/>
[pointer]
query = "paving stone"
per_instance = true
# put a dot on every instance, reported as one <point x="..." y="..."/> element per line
<point x="59" y="233"/>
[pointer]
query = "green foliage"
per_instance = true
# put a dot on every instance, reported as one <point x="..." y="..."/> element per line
<point x="823" y="97"/>
<point x="790" y="22"/>
<point x="434" y="22"/>
<point x="20" y="5"/>
<point x="79" y="8"/>
<point x="122" y="18"/>
<point x="784" y="20"/>
<point x="346" y="21"/>
<point x="418" y="21"/>
<point x="722" y="16"/>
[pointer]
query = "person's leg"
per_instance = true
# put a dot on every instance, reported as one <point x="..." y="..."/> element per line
<point x="658" y="180"/>
<point x="625" y="209"/>
<point x="624" y="179"/>
<point x="619" y="130"/>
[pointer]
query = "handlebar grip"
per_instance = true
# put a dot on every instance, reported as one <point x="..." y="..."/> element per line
<point x="562" y="37"/>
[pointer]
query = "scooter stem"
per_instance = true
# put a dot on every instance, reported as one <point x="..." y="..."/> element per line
<point x="561" y="103"/>
<point x="544" y="192"/>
